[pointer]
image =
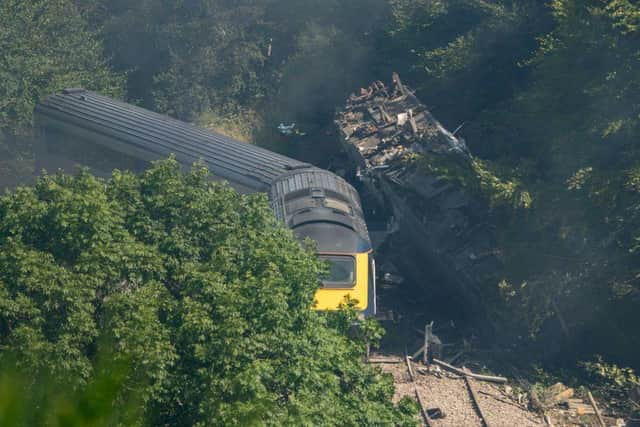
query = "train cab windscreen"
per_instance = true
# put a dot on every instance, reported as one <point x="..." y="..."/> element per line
<point x="341" y="271"/>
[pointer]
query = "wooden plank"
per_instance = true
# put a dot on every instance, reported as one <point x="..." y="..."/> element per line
<point x="582" y="408"/>
<point x="456" y="356"/>
<point x="418" y="352"/>
<point x="411" y="376"/>
<point x="398" y="83"/>
<point x="414" y="127"/>
<point x="427" y="337"/>
<point x="488" y="378"/>
<point x="385" y="360"/>
<point x="385" y="116"/>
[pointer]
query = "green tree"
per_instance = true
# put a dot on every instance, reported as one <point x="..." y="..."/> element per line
<point x="549" y="96"/>
<point x="462" y="53"/>
<point x="46" y="46"/>
<point x="199" y="293"/>
<point x="187" y="57"/>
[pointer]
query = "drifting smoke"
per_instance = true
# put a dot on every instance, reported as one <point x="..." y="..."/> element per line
<point x="333" y="54"/>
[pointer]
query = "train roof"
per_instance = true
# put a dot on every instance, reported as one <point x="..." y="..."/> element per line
<point x="151" y="136"/>
<point x="333" y="199"/>
<point x="93" y="119"/>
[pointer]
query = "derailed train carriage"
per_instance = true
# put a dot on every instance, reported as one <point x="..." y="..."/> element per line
<point x="80" y="127"/>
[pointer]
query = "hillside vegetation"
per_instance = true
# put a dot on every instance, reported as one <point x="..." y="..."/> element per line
<point x="548" y="93"/>
<point x="549" y="98"/>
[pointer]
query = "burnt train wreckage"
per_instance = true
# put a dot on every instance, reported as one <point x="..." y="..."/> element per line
<point x="81" y="127"/>
<point x="440" y="226"/>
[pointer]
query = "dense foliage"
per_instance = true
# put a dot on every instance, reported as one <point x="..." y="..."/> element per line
<point x="46" y="46"/>
<point x="200" y="300"/>
<point x="188" y="57"/>
<point x="547" y="93"/>
<point x="549" y="97"/>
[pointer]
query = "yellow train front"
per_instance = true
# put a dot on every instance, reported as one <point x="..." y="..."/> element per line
<point x="323" y="207"/>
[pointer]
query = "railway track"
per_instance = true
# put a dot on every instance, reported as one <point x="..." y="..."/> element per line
<point x="452" y="399"/>
<point x="447" y="396"/>
<point x="476" y="401"/>
<point x="473" y="394"/>
<point x="423" y="410"/>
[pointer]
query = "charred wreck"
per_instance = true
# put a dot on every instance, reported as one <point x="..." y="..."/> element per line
<point x="445" y="228"/>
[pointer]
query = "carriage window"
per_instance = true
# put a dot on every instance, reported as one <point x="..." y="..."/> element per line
<point x="341" y="271"/>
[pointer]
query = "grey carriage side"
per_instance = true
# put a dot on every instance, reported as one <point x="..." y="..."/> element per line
<point x="81" y="127"/>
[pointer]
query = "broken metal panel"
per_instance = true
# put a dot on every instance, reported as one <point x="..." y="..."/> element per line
<point x="380" y="130"/>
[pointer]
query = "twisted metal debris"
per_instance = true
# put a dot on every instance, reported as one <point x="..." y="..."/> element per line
<point x="446" y="227"/>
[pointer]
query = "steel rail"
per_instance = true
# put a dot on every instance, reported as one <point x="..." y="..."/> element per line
<point x="475" y="399"/>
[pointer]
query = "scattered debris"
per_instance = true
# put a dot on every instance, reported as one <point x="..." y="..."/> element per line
<point x="381" y="130"/>
<point x="560" y="393"/>
<point x="435" y="413"/>
<point x="290" y="130"/>
<point x="535" y="402"/>
<point x="431" y="370"/>
<point x="286" y="129"/>
<point x="393" y="279"/>
<point x="388" y="315"/>
<point x="432" y="345"/>
<point x="462" y="372"/>
<point x="566" y="407"/>
<point x="447" y="401"/>
<point x="634" y="395"/>
<point x="578" y="406"/>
